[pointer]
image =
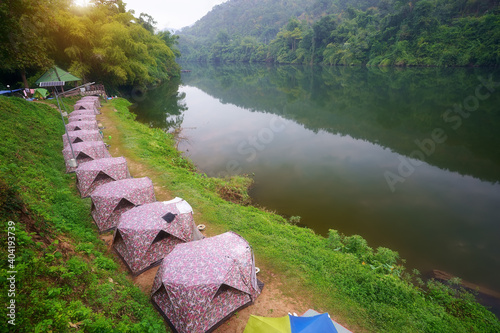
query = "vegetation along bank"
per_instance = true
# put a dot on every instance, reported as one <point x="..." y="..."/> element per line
<point x="67" y="279"/>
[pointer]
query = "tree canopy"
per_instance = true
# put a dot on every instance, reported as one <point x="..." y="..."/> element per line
<point x="354" y="32"/>
<point x="102" y="42"/>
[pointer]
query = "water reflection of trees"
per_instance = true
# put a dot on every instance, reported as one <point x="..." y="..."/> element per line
<point x="392" y="107"/>
<point x="162" y="107"/>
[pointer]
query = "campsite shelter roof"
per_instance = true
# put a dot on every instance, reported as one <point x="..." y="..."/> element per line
<point x="110" y="200"/>
<point x="82" y="125"/>
<point x="85" y="152"/>
<point x="81" y="136"/>
<point x="57" y="74"/>
<point x="92" y="174"/>
<point x="201" y="283"/>
<point x="146" y="234"/>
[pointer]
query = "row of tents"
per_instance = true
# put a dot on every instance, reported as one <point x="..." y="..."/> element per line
<point x="201" y="281"/>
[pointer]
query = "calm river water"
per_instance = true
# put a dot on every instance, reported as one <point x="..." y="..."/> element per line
<point x="407" y="158"/>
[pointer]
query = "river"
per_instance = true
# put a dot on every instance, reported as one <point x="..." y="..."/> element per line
<point x="407" y="158"/>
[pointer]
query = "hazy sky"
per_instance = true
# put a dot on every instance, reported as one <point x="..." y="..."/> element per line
<point x="173" y="14"/>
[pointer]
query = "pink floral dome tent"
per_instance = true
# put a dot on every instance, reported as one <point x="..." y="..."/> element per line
<point x="82" y="125"/>
<point x="111" y="200"/>
<point x="146" y="234"/>
<point x="94" y="99"/>
<point x="81" y="136"/>
<point x="82" y="117"/>
<point x="84" y="152"/>
<point x="93" y="174"/>
<point x="82" y="112"/>
<point x="85" y="104"/>
<point x="199" y="284"/>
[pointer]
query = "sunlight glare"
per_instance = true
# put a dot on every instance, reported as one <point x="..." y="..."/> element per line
<point x="81" y="3"/>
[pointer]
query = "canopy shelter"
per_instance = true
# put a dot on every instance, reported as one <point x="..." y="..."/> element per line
<point x="84" y="152"/>
<point x="146" y="234"/>
<point x="56" y="77"/>
<point x="111" y="200"/>
<point x="56" y="74"/>
<point x="82" y="125"/>
<point x="200" y="284"/>
<point x="83" y="112"/>
<point x="93" y="174"/>
<point x="81" y="136"/>
<point x="82" y="117"/>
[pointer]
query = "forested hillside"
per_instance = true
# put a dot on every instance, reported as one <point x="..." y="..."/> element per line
<point x="102" y="42"/>
<point x="261" y="19"/>
<point x="343" y="32"/>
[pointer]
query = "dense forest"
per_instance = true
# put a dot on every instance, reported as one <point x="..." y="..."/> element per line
<point x="348" y="32"/>
<point x="102" y="42"/>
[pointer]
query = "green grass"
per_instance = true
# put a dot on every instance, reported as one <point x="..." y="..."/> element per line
<point x="367" y="288"/>
<point x="65" y="279"/>
<point x="65" y="276"/>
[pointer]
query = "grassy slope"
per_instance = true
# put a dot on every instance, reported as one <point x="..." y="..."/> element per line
<point x="65" y="277"/>
<point x="367" y="288"/>
<point x="64" y="272"/>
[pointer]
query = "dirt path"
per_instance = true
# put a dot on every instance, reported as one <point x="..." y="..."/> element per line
<point x="272" y="302"/>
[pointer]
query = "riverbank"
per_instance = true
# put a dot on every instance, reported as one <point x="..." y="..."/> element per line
<point x="364" y="289"/>
<point x="71" y="277"/>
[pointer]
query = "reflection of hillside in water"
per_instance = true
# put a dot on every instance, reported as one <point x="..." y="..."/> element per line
<point x="390" y="107"/>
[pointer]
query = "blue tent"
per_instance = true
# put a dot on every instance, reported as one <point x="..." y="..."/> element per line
<point x="320" y="323"/>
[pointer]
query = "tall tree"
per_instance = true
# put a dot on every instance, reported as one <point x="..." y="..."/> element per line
<point x="171" y="40"/>
<point x="148" y="22"/>
<point x="25" y="37"/>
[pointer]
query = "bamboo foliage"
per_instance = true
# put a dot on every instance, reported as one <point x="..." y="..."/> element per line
<point x="102" y="42"/>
